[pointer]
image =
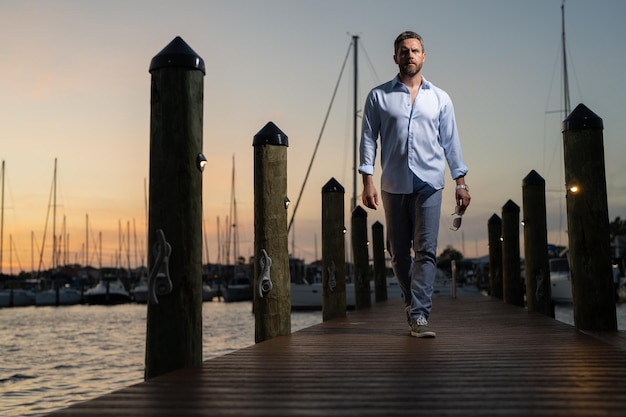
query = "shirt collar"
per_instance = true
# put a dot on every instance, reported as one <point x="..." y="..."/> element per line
<point x="425" y="83"/>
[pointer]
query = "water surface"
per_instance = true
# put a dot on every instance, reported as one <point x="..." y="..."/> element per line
<point x="52" y="357"/>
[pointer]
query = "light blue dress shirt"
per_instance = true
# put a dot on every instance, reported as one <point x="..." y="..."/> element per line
<point x="416" y="138"/>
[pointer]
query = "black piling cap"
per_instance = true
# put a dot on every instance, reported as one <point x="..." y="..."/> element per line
<point x="582" y="118"/>
<point x="270" y="135"/>
<point x="510" y="207"/>
<point x="495" y="219"/>
<point x="359" y="212"/>
<point x="333" y="186"/>
<point x="377" y="225"/>
<point x="533" y="178"/>
<point x="177" y="54"/>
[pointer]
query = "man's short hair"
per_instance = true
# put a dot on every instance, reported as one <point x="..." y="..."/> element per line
<point x="407" y="35"/>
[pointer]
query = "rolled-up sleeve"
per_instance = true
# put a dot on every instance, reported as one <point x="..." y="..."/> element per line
<point x="369" y="136"/>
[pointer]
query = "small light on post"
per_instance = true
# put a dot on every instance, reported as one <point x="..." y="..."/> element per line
<point x="286" y="202"/>
<point x="200" y="162"/>
<point x="573" y="189"/>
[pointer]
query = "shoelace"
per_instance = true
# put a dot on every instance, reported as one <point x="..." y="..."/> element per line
<point x="421" y="321"/>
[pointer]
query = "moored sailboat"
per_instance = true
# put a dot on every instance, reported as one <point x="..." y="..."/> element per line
<point x="58" y="297"/>
<point x="108" y="291"/>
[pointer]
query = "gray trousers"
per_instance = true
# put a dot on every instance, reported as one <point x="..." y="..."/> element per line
<point x="413" y="224"/>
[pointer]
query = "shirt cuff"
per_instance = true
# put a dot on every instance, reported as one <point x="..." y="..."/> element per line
<point x="366" y="169"/>
<point x="458" y="173"/>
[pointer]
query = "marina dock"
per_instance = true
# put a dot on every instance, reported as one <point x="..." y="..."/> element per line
<point x="489" y="359"/>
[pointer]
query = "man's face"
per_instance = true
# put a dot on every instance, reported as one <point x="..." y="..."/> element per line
<point x="409" y="57"/>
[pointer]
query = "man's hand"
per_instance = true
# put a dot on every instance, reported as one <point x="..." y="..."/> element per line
<point x="370" y="195"/>
<point x="462" y="199"/>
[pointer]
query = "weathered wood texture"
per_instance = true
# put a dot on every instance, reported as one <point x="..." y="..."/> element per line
<point x="489" y="359"/>
<point x="588" y="221"/>
<point x="272" y="309"/>
<point x="174" y="325"/>
<point x="538" y="289"/>
<point x="360" y="250"/>
<point x="333" y="251"/>
<point x="512" y="288"/>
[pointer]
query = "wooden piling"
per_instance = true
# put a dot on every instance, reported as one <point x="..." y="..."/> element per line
<point x="362" y="296"/>
<point x="538" y="288"/>
<point x="174" y="324"/>
<point x="494" y="231"/>
<point x="512" y="290"/>
<point x="588" y="222"/>
<point x="380" y="270"/>
<point x="333" y="251"/>
<point x="272" y="283"/>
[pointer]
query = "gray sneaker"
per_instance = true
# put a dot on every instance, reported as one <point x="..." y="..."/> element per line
<point x="419" y="328"/>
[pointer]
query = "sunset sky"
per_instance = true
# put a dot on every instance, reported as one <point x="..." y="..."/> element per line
<point x="75" y="86"/>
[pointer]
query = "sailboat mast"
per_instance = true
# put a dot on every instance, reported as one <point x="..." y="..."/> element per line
<point x="54" y="218"/>
<point x="128" y="247"/>
<point x="566" y="103"/>
<point x="232" y="231"/>
<point x="32" y="253"/>
<point x="219" y="242"/>
<point x="86" y="239"/>
<point x="355" y="40"/>
<point x="137" y="264"/>
<point x="2" y="220"/>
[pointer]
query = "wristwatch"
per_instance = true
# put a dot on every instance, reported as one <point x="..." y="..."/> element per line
<point x="462" y="186"/>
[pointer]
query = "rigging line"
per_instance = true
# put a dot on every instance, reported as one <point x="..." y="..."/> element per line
<point x="355" y="114"/>
<point x="13" y="247"/>
<point x="371" y="65"/>
<point x="563" y="107"/>
<point x="43" y="243"/>
<point x="572" y="67"/>
<point x="547" y="166"/>
<point x="319" y="138"/>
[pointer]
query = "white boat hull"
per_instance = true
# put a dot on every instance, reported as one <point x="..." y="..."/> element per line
<point x="239" y="289"/>
<point x="560" y="280"/>
<point x="107" y="292"/>
<point x="140" y="292"/>
<point x="64" y="297"/>
<point x="561" y="287"/>
<point x="309" y="296"/>
<point x="235" y="293"/>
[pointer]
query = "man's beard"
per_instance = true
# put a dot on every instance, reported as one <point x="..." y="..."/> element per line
<point x="410" y="70"/>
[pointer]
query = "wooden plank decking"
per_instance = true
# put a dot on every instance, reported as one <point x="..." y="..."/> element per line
<point x="488" y="359"/>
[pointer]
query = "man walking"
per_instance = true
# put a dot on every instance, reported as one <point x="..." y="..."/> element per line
<point x="416" y="125"/>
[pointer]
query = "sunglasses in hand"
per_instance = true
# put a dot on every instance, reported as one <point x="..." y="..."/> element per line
<point x="456" y="222"/>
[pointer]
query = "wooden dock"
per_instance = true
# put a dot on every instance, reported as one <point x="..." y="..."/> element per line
<point x="488" y="359"/>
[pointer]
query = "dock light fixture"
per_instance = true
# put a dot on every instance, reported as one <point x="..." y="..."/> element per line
<point x="573" y="189"/>
<point x="286" y="202"/>
<point x="200" y="162"/>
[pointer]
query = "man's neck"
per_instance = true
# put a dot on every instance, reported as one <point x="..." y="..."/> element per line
<point x="411" y="81"/>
